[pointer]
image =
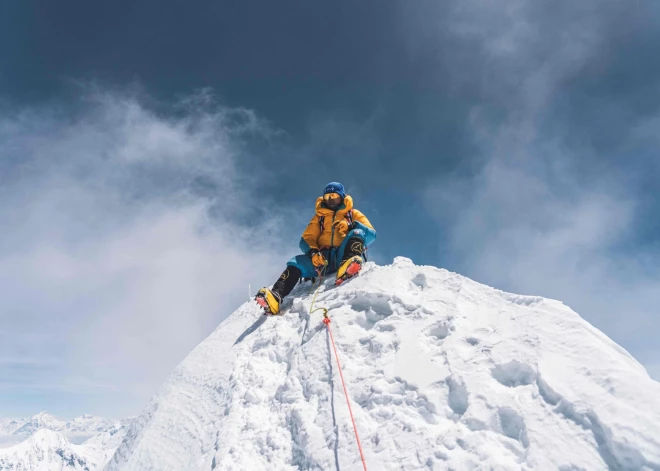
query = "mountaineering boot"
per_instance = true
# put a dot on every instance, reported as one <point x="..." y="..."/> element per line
<point x="348" y="269"/>
<point x="352" y="260"/>
<point x="271" y="299"/>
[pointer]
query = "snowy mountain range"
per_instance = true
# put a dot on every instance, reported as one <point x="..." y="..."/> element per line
<point x="86" y="425"/>
<point x="85" y="443"/>
<point x="442" y="373"/>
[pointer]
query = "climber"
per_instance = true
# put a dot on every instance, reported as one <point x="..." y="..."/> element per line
<point x="334" y="241"/>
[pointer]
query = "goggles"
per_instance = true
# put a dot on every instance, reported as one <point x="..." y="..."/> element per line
<point x="331" y="196"/>
<point x="332" y="199"/>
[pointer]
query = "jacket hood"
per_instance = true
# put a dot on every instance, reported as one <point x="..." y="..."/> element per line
<point x="323" y="211"/>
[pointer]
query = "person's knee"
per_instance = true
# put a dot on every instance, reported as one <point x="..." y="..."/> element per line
<point x="367" y="234"/>
<point x="355" y="246"/>
<point x="356" y="233"/>
<point x="292" y="272"/>
<point x="304" y="266"/>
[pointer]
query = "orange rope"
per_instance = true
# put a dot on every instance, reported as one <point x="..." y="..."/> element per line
<point x="326" y="321"/>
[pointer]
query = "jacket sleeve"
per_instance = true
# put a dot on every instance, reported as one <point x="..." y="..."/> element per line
<point x="311" y="235"/>
<point x="364" y="227"/>
<point x="359" y="217"/>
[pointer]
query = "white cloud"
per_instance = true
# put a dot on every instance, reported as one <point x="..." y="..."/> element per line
<point x="113" y="265"/>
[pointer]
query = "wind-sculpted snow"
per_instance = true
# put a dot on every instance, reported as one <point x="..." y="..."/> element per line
<point x="443" y="373"/>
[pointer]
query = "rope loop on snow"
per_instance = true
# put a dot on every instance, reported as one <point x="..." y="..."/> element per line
<point x="321" y="273"/>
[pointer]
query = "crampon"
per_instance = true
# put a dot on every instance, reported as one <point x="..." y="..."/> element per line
<point x="270" y="309"/>
<point x="353" y="269"/>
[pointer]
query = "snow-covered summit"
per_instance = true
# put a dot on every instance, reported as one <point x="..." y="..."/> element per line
<point x="45" y="450"/>
<point x="443" y="373"/>
<point x="46" y="443"/>
<point x="42" y="420"/>
<point x="48" y="450"/>
<point x="8" y="426"/>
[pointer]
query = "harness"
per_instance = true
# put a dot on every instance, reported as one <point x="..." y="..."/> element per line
<point x="331" y="250"/>
<point x="348" y="216"/>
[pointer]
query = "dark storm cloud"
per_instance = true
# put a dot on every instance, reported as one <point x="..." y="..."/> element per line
<point x="596" y="59"/>
<point x="405" y="76"/>
<point x="300" y="65"/>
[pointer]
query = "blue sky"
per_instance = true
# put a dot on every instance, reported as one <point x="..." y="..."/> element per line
<point x="158" y="157"/>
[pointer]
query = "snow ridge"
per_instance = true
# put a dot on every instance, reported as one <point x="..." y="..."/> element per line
<point x="443" y="373"/>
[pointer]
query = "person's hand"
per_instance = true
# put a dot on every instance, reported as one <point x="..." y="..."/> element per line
<point x="343" y="227"/>
<point x="318" y="260"/>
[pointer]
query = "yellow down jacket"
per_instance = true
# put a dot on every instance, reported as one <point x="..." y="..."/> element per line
<point x="335" y="224"/>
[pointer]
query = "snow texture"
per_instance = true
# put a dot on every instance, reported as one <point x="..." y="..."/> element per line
<point x="443" y="373"/>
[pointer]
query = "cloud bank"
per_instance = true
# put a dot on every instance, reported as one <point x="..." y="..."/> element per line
<point x="129" y="234"/>
<point x="543" y="212"/>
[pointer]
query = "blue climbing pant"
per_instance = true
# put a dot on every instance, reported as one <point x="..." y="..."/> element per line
<point x="333" y="255"/>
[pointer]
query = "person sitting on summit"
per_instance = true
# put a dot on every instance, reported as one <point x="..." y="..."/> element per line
<point x="334" y="241"/>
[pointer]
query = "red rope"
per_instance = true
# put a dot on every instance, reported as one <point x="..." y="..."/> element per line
<point x="326" y="321"/>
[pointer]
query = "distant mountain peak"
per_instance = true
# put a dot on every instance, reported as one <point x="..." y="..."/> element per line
<point x="45" y="450"/>
<point x="45" y="444"/>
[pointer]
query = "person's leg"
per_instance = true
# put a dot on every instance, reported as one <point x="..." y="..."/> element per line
<point x="298" y="267"/>
<point x="286" y="282"/>
<point x="354" y="246"/>
<point x="304" y="264"/>
<point x="351" y="251"/>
